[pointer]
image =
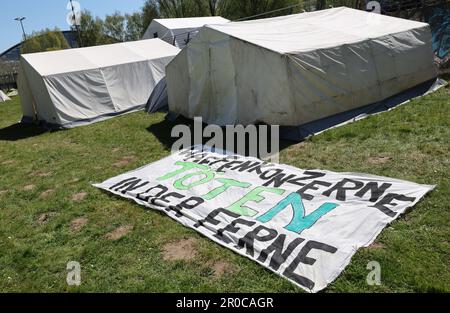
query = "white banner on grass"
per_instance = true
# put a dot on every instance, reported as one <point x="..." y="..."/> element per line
<point x="304" y="225"/>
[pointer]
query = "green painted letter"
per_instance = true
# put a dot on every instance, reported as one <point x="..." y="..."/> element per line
<point x="300" y="221"/>
<point x="208" y="176"/>
<point x="227" y="183"/>
<point x="253" y="196"/>
<point x="185" y="166"/>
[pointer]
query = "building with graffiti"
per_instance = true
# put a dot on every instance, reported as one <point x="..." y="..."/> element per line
<point x="434" y="12"/>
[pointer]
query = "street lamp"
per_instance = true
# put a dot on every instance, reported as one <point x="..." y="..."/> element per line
<point x="20" y="19"/>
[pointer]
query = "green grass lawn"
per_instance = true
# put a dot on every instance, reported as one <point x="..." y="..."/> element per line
<point x="50" y="214"/>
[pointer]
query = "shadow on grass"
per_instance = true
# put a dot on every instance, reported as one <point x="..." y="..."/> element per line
<point x="20" y="131"/>
<point x="162" y="131"/>
<point x="446" y="76"/>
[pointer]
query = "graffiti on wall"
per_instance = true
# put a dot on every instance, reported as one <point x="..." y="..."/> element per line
<point x="439" y="20"/>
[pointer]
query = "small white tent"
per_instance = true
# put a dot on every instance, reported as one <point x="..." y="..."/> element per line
<point x="178" y="31"/>
<point x="3" y="97"/>
<point x="300" y="68"/>
<point x="74" y="87"/>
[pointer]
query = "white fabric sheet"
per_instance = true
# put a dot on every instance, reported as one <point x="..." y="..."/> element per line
<point x="304" y="225"/>
<point x="3" y="97"/>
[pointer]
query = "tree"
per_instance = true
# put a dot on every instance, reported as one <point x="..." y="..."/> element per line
<point x="218" y="7"/>
<point x="182" y="8"/>
<point x="177" y="8"/>
<point x="45" y="40"/>
<point x="135" y="26"/>
<point x="118" y="27"/>
<point x="31" y="45"/>
<point x="150" y="11"/>
<point x="114" y="28"/>
<point x="356" y="4"/>
<point x="238" y="9"/>
<point x="91" y="30"/>
<point x="321" y="4"/>
<point x="213" y="7"/>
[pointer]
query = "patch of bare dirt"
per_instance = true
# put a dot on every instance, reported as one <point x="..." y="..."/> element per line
<point x="8" y="162"/>
<point x="79" y="196"/>
<point x="379" y="160"/>
<point x="183" y="250"/>
<point x="221" y="268"/>
<point x="46" y="193"/>
<point x="29" y="187"/>
<point x="3" y="192"/>
<point x="376" y="245"/>
<point x="119" y="233"/>
<point x="45" y="217"/>
<point x="115" y="150"/>
<point x="44" y="174"/>
<point x="77" y="224"/>
<point x="301" y="145"/>
<point x="125" y="161"/>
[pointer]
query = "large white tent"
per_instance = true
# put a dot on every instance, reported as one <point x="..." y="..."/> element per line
<point x="73" y="87"/>
<point x="3" y="97"/>
<point x="178" y="31"/>
<point x="295" y="69"/>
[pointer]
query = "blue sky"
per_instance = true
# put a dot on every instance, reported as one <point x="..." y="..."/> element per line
<point x="42" y="14"/>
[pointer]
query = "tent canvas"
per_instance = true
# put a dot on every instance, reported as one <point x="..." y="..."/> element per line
<point x="74" y="87"/>
<point x="299" y="68"/>
<point x="158" y="101"/>
<point x="301" y="132"/>
<point x="178" y="31"/>
<point x="3" y="97"/>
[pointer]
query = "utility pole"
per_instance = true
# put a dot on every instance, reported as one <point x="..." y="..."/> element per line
<point x="20" y="20"/>
<point x="80" y="44"/>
